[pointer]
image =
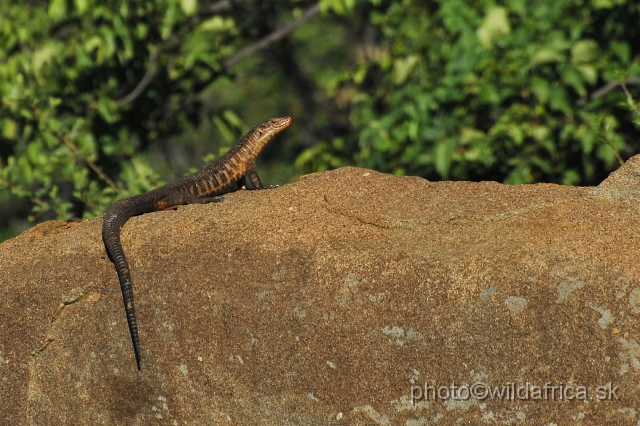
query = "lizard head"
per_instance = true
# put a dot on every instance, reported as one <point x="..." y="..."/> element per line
<point x="274" y="125"/>
<point x="263" y="133"/>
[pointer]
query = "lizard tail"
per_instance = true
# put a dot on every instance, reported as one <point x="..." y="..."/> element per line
<point x="129" y="306"/>
<point x="111" y="236"/>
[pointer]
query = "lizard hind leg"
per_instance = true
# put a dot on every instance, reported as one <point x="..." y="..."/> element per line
<point x="176" y="199"/>
<point x="214" y="199"/>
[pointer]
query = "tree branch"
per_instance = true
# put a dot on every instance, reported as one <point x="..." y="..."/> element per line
<point x="606" y="89"/>
<point x="72" y="146"/>
<point x="218" y="7"/>
<point x="230" y="62"/>
<point x="272" y="38"/>
<point x="207" y="11"/>
<point x="250" y="50"/>
<point x="146" y="79"/>
<point x="630" y="101"/>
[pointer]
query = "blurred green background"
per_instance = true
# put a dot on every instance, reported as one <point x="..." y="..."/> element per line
<point x="104" y="99"/>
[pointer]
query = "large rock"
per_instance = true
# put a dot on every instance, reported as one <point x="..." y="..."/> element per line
<point x="336" y="300"/>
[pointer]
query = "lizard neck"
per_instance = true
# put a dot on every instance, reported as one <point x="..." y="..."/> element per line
<point x="257" y="138"/>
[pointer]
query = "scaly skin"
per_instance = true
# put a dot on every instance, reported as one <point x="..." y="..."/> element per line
<point x="202" y="187"/>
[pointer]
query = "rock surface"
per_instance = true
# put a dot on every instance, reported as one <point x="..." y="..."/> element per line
<point x="336" y="300"/>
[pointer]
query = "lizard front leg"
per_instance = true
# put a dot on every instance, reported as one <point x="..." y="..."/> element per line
<point x="252" y="173"/>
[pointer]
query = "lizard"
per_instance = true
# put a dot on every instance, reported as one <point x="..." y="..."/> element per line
<point x="202" y="187"/>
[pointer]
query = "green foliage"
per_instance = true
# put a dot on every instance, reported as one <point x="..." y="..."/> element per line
<point x="88" y="85"/>
<point x="471" y="90"/>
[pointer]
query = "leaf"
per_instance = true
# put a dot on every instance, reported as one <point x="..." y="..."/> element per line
<point x="225" y="131"/>
<point x="584" y="51"/>
<point x="215" y="23"/>
<point x="572" y="77"/>
<point x="402" y="67"/>
<point x="621" y="49"/>
<point x="107" y="108"/>
<point x="544" y="56"/>
<point x="189" y="7"/>
<point x="606" y="4"/>
<point x="558" y="99"/>
<point x="170" y="17"/>
<point x="81" y="5"/>
<point x="571" y="177"/>
<point x="468" y="135"/>
<point x="489" y="93"/>
<point x="41" y="58"/>
<point x="443" y="153"/>
<point x="540" y="87"/>
<point x="9" y="128"/>
<point x="232" y="118"/>
<point x="340" y="7"/>
<point x="589" y="72"/>
<point x="57" y="9"/>
<point x="494" y="25"/>
<point x="92" y="43"/>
